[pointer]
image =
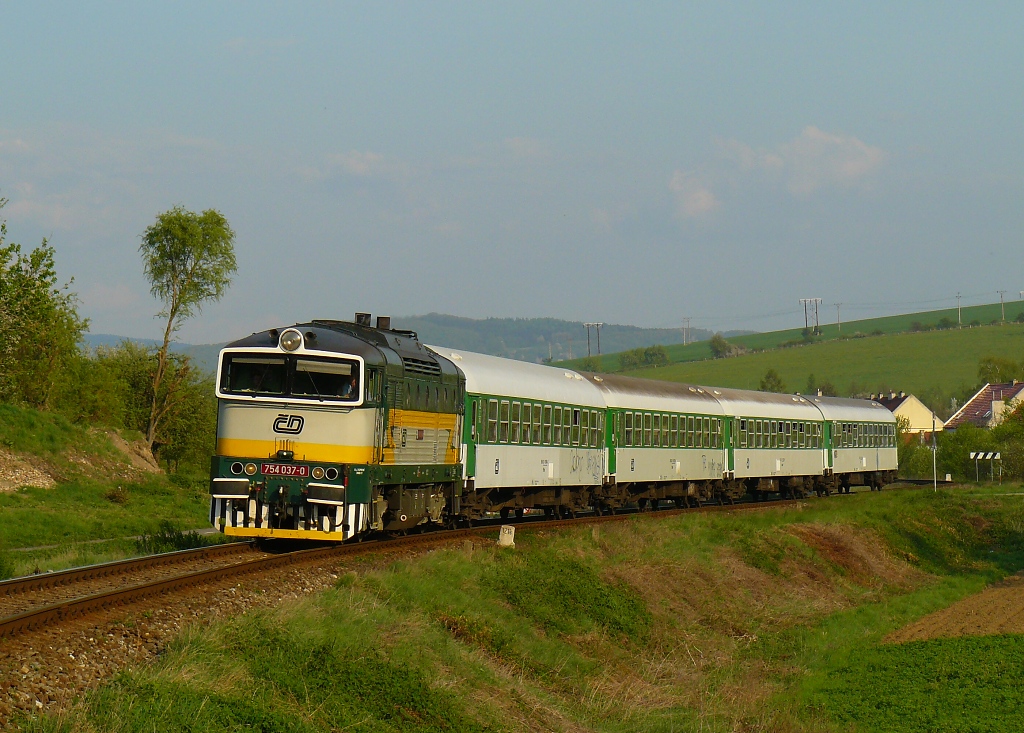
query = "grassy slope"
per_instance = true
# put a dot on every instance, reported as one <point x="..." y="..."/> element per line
<point x="97" y="497"/>
<point x="985" y="314"/>
<point x="699" y="622"/>
<point x="946" y="361"/>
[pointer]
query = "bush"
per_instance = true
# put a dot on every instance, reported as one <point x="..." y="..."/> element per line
<point x="168" y="538"/>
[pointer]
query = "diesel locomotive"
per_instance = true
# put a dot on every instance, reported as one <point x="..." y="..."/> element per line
<point x="333" y="429"/>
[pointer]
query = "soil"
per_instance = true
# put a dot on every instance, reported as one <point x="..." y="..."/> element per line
<point x="999" y="609"/>
<point x="17" y="471"/>
<point x="137" y="451"/>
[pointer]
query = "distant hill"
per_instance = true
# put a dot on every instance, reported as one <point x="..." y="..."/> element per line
<point x="537" y="339"/>
<point x="526" y="339"/>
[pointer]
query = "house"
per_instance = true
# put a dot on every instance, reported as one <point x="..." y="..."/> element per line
<point x="987" y="408"/>
<point x="921" y="420"/>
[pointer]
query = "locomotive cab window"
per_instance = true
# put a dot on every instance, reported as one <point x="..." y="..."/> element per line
<point x="250" y="375"/>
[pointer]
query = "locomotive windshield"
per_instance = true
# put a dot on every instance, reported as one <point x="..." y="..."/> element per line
<point x="305" y="378"/>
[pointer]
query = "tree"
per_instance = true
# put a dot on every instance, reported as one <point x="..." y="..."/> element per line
<point x="39" y="323"/>
<point x="772" y="382"/>
<point x="590" y="364"/>
<point x="719" y="346"/>
<point x="996" y="370"/>
<point x="188" y="259"/>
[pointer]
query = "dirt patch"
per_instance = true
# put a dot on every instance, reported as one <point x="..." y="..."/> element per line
<point x="18" y="471"/>
<point x="137" y="451"/>
<point x="857" y="554"/>
<point x="999" y="609"/>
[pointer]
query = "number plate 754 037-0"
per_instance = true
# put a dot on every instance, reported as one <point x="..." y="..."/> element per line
<point x="284" y="469"/>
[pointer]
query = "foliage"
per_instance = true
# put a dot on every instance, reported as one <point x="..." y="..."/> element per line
<point x="590" y="364"/>
<point x="168" y="538"/>
<point x="39" y="323"/>
<point x="188" y="259"/>
<point x="973" y="683"/>
<point x="999" y="370"/>
<point x="772" y="382"/>
<point x="652" y="356"/>
<point x="719" y="346"/>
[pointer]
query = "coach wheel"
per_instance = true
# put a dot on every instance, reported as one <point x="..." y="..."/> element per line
<point x="505" y="512"/>
<point x="519" y="512"/>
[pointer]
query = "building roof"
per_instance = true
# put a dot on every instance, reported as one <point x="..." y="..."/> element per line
<point x="892" y="401"/>
<point x="978" y="409"/>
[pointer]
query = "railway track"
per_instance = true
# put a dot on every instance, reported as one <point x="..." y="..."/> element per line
<point x="45" y="601"/>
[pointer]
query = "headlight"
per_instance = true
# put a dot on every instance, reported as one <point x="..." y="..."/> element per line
<point x="291" y="340"/>
<point x="250" y="468"/>
<point x="236" y="468"/>
<point x="331" y="473"/>
<point x="318" y="473"/>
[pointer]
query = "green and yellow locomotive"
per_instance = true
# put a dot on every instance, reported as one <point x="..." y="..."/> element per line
<point x="332" y="428"/>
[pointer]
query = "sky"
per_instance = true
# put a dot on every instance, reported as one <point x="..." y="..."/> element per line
<point x="632" y="163"/>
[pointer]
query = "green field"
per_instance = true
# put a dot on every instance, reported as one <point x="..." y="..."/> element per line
<point x="932" y="362"/>
<point x="982" y="314"/>
<point x="715" y="622"/>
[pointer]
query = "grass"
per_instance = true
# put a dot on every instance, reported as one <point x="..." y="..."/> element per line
<point x="721" y="622"/>
<point x="961" y="684"/>
<point x="885" y="325"/>
<point x="99" y="504"/>
<point x="944" y="362"/>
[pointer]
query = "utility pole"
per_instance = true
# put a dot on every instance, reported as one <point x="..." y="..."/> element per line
<point x="817" y="327"/>
<point x="599" y="337"/>
<point x="1002" y="307"/>
<point x="686" y="331"/>
<point x="959" y="323"/>
<point x="803" y="302"/>
<point x="588" y="325"/>
<point x="839" y="322"/>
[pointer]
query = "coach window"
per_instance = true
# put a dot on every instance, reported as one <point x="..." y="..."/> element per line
<point x="596" y="423"/>
<point x="526" y="423"/>
<point x="547" y="425"/>
<point x="627" y="429"/>
<point x="656" y="432"/>
<point x="666" y="432"/>
<point x="536" y="424"/>
<point x="492" y="421"/>
<point x="503" y="426"/>
<point x="673" y="439"/>
<point x="575" y="426"/>
<point x="648" y="421"/>
<point x="516" y="416"/>
<point x="557" y="437"/>
<point x="706" y="433"/>
<point x="581" y="436"/>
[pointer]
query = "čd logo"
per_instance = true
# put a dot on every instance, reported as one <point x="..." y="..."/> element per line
<point x="289" y="424"/>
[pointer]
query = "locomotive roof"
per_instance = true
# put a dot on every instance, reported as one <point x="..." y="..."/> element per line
<point x="654" y="394"/>
<point x="493" y="375"/>
<point x="377" y="347"/>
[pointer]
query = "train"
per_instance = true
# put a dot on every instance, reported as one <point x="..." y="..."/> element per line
<point x="334" y="430"/>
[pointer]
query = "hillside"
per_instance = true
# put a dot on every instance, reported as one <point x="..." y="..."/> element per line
<point x="905" y="323"/>
<point x="934" y="365"/>
<point x="774" y="620"/>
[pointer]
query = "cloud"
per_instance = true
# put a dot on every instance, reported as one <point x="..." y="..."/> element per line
<point x="692" y="198"/>
<point x="812" y="160"/>
<point x="358" y="164"/>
